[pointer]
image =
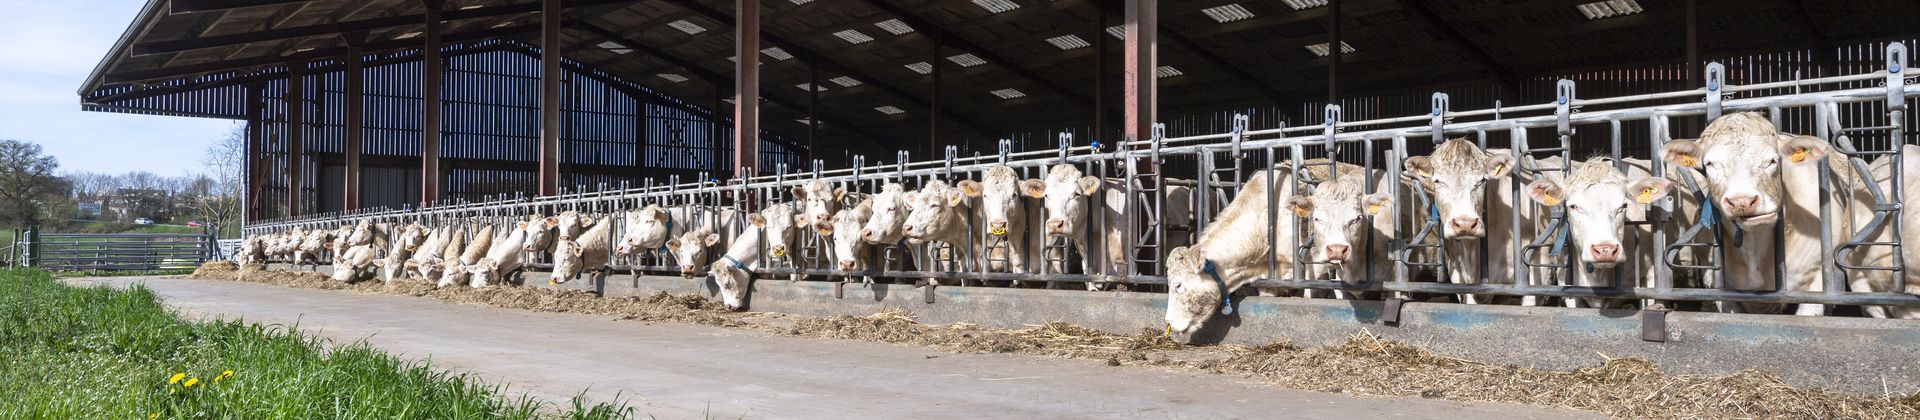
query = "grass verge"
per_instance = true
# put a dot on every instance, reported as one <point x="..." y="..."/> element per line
<point x="76" y="352"/>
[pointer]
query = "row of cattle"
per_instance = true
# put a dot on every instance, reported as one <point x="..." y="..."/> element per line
<point x="1752" y="179"/>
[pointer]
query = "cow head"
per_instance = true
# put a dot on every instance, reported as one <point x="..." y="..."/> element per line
<point x="1193" y="296"/>
<point x="820" y="200"/>
<point x="1455" y="174"/>
<point x="1337" y="215"/>
<point x="1597" y="197"/>
<point x="570" y="224"/>
<point x="734" y="284"/>
<point x="999" y="194"/>
<point x="1741" y="154"/>
<point x="483" y="272"/>
<point x="847" y="225"/>
<point x="452" y="273"/>
<point x="690" y="247"/>
<point x="890" y="210"/>
<point x="540" y="233"/>
<point x="1065" y="194"/>
<point x="567" y="261"/>
<point x="938" y="209"/>
<point x="647" y="229"/>
<point x="779" y="223"/>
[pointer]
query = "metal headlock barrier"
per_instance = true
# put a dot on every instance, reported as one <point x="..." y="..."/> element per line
<point x="1159" y="193"/>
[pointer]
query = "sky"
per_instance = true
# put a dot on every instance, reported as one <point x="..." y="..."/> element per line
<point x="47" y="49"/>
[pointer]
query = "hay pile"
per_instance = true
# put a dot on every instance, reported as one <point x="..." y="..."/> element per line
<point x="1365" y="364"/>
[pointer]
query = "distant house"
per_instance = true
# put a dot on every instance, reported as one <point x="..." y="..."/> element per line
<point x="88" y="210"/>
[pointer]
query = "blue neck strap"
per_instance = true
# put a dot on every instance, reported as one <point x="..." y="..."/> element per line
<point x="736" y="262"/>
<point x="1226" y="299"/>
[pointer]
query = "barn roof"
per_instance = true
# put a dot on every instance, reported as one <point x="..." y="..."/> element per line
<point x="1008" y="64"/>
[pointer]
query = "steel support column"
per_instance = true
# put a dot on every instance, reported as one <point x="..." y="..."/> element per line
<point x="430" y="105"/>
<point x="296" y="125"/>
<point x="353" y="126"/>
<point x="550" y="75"/>
<point x="1334" y="53"/>
<point x="933" y="106"/>
<point x="1142" y="61"/>
<point x="746" y="87"/>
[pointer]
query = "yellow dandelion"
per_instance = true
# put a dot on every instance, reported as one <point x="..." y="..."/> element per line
<point x="190" y="382"/>
<point x="153" y="416"/>
<point x="176" y="378"/>
<point x="223" y="375"/>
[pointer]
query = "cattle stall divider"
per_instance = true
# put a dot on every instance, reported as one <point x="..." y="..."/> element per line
<point x="1137" y="173"/>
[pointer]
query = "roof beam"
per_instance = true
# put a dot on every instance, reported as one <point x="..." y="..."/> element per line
<point x="1425" y="12"/>
<point x="201" y="6"/>
<point x="317" y="54"/>
<point x="808" y="56"/>
<point x="939" y="34"/>
<point x="715" y="77"/>
<point x="275" y="34"/>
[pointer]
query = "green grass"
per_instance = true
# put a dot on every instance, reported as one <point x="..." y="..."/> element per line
<point x="73" y="352"/>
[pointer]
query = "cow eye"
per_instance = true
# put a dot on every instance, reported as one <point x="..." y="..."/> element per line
<point x="1571" y="207"/>
<point x="1351" y="222"/>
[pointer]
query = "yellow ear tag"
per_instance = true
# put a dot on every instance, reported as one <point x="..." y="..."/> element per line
<point x="1689" y="161"/>
<point x="1373" y="209"/>
<point x="1550" y="200"/>
<point x="411" y="247"/>
<point x="1301" y="211"/>
<point x="999" y="231"/>
<point x="1645" y="196"/>
<point x="1424" y="173"/>
<point x="1799" y="155"/>
<point x="825" y="231"/>
<point x="550" y="282"/>
<point x="779" y="253"/>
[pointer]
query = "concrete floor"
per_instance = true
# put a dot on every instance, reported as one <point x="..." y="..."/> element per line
<point x="672" y="370"/>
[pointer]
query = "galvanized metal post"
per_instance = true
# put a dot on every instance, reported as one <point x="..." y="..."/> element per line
<point x="351" y="177"/>
<point x="746" y="86"/>
<point x="550" y="85"/>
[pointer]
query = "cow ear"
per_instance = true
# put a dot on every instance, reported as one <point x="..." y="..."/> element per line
<point x="1302" y="205"/>
<point x="955" y="197"/>
<point x="971" y="187"/>
<point x="553" y="221"/>
<point x="1500" y="165"/>
<point x="1375" y="203"/>
<point x="586" y="221"/>
<point x="673" y="244"/>
<point x="799" y="193"/>
<point x="839" y="193"/>
<point x="910" y="197"/>
<point x="757" y="220"/>
<point x="1034" y="188"/>
<point x="712" y="238"/>
<point x="575" y="249"/>
<point x="1419" y="166"/>
<point x="1546" y="192"/>
<point x="799" y="220"/>
<point x="1089" y="185"/>
<point x="1802" y="149"/>
<point x="521" y="225"/>
<point x="1685" y="153"/>
<point x="1648" y="189"/>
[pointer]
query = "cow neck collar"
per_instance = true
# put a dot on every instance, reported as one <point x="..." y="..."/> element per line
<point x="1226" y="299"/>
<point x="735" y="262"/>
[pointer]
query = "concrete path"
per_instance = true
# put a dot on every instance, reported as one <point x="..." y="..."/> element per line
<point x="672" y="370"/>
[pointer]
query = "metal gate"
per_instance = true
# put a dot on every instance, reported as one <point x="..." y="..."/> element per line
<point x="117" y="251"/>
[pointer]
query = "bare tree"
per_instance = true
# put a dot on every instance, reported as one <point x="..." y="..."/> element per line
<point x="225" y="162"/>
<point x="27" y="183"/>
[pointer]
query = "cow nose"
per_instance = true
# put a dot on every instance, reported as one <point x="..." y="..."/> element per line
<point x="866" y="234"/>
<point x="1465" y="223"/>
<point x="908" y="229"/>
<point x="1338" y="252"/>
<point x="820" y="217"/>
<point x="997" y="224"/>
<point x="846" y="265"/>
<point x="1056" y="224"/>
<point x="1606" y="251"/>
<point x="1742" y="201"/>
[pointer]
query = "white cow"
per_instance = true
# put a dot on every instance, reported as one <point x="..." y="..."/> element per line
<point x="691" y="248"/>
<point x="1004" y="214"/>
<point x="733" y="270"/>
<point x="454" y="270"/>
<point x="588" y="252"/>
<point x="349" y="264"/>
<point x="819" y="201"/>
<point x="501" y="259"/>
<point x="1599" y="201"/>
<point x="405" y="244"/>
<point x="939" y="216"/>
<point x="851" y="253"/>
<point x="1456" y="177"/>
<point x="539" y="235"/>
<point x="1741" y="156"/>
<point x="1231" y="252"/>
<point x="1351" y="229"/>
<point x="428" y="254"/>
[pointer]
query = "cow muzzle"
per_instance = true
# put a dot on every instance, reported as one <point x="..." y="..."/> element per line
<point x="846" y="265"/>
<point x="1466" y="227"/>
<point x="1057" y="226"/>
<point x="1338" y="253"/>
<point x="1604" y="253"/>
<point x="997" y="227"/>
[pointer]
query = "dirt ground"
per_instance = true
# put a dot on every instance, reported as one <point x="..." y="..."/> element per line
<point x="1366" y="365"/>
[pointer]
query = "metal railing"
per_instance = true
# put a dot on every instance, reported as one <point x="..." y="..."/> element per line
<point x="1139" y="171"/>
